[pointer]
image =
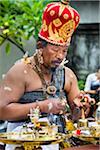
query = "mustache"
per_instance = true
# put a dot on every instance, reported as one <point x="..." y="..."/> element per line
<point x="57" y="61"/>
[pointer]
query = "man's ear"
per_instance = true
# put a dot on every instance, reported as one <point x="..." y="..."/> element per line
<point x="41" y="49"/>
<point x="39" y="45"/>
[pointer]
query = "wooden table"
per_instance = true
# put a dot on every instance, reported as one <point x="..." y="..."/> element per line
<point x="85" y="147"/>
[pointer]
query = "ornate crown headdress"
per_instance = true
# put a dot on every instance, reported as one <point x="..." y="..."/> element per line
<point x="59" y="21"/>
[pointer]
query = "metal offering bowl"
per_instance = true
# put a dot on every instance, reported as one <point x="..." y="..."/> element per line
<point x="86" y="134"/>
<point x="89" y="138"/>
<point x="82" y="123"/>
<point x="29" y="142"/>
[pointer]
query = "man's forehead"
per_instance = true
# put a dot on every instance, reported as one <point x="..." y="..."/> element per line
<point x="57" y="46"/>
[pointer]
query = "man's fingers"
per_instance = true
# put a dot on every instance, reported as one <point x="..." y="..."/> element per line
<point x="77" y="102"/>
<point x="87" y="112"/>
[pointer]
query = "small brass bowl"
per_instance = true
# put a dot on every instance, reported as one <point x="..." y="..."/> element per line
<point x="82" y="123"/>
<point x="95" y="130"/>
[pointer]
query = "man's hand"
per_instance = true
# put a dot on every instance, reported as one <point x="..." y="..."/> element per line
<point x="77" y="102"/>
<point x="54" y="106"/>
<point x="84" y="101"/>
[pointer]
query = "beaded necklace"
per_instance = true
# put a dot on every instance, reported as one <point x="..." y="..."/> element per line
<point x="48" y="88"/>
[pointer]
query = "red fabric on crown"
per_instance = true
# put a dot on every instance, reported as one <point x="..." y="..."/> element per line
<point x="58" y="23"/>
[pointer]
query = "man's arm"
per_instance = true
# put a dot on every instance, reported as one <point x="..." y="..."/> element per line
<point x="71" y="87"/>
<point x="74" y="95"/>
<point x="11" y="89"/>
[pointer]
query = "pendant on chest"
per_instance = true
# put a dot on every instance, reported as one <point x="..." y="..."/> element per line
<point x="51" y="90"/>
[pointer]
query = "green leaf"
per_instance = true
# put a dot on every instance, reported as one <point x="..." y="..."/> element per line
<point x="22" y="18"/>
<point x="81" y="84"/>
<point x="7" y="48"/>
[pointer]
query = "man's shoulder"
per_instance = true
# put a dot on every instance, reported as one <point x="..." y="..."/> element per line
<point x="69" y="73"/>
<point x="18" y="68"/>
<point x="69" y="70"/>
<point x="18" y="65"/>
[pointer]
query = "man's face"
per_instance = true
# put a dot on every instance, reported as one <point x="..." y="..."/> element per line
<point x="53" y="55"/>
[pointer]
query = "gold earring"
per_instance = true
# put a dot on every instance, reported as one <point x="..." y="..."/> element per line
<point x="40" y="57"/>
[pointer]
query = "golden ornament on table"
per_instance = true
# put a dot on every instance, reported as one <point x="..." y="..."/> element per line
<point x="69" y="125"/>
<point x="83" y="122"/>
<point x="95" y="130"/>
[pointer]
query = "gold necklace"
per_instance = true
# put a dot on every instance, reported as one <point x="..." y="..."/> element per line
<point x="48" y="88"/>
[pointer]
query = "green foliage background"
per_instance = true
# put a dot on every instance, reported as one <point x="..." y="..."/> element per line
<point x="20" y="19"/>
<point x="81" y="84"/>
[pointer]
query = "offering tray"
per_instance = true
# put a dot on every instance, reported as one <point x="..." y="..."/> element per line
<point x="87" y="135"/>
<point x="29" y="142"/>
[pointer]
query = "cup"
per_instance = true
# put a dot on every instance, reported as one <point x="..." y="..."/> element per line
<point x="82" y="123"/>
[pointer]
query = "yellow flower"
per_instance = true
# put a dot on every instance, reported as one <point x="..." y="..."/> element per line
<point x="26" y="60"/>
<point x="38" y="125"/>
<point x="5" y="31"/>
<point x="6" y="24"/>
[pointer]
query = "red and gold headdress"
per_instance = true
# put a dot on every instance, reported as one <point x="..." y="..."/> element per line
<point x="59" y="21"/>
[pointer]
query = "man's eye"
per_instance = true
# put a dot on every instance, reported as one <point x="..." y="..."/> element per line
<point x="55" y="50"/>
<point x="65" y="51"/>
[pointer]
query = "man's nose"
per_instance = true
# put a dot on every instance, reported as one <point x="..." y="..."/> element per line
<point x="60" y="55"/>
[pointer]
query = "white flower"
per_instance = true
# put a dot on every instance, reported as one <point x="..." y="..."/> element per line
<point x="63" y="62"/>
<point x="25" y="72"/>
<point x="50" y="106"/>
<point x="7" y="88"/>
<point x="3" y="76"/>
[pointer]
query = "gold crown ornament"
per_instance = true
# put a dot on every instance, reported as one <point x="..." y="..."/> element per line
<point x="59" y="21"/>
<point x="66" y="2"/>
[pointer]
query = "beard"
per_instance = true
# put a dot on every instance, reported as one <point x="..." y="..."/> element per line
<point x="51" y="69"/>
